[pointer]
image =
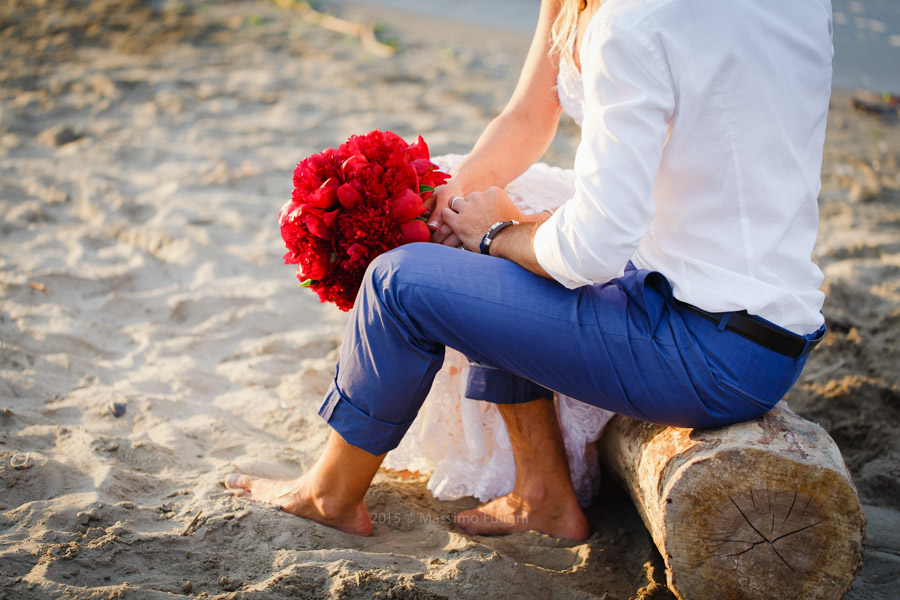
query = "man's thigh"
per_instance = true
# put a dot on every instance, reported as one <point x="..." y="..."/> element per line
<point x="608" y="345"/>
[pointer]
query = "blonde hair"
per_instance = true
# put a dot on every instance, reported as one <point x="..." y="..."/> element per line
<point x="565" y="28"/>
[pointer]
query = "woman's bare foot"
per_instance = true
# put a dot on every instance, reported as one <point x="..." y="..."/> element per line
<point x="543" y="498"/>
<point x="536" y="509"/>
<point x="295" y="496"/>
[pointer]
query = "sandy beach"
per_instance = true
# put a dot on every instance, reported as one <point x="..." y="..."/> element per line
<point x="145" y="149"/>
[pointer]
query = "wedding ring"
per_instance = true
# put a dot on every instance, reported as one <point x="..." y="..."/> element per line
<point x="452" y="200"/>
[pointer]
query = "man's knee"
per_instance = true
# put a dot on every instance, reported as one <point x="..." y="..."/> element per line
<point x="387" y="267"/>
<point x="398" y="269"/>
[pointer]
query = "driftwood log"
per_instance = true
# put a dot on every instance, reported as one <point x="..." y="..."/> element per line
<point x="365" y="34"/>
<point x="758" y="510"/>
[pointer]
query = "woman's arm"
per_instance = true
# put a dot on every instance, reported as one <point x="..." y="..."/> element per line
<point x="629" y="103"/>
<point x="518" y="136"/>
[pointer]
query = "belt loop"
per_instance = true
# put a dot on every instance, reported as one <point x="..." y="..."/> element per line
<point x="812" y="340"/>
<point x="723" y="322"/>
<point x="807" y="348"/>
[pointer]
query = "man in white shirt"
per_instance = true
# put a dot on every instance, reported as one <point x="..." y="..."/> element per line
<point x="676" y="286"/>
<point x="701" y="149"/>
<point x="695" y="161"/>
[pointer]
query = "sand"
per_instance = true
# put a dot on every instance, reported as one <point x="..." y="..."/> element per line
<point x="145" y="149"/>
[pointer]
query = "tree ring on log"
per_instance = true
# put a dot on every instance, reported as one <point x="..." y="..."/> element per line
<point x="768" y="528"/>
<point x="763" y="509"/>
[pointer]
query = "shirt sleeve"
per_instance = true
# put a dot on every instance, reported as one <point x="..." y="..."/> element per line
<point x="629" y="101"/>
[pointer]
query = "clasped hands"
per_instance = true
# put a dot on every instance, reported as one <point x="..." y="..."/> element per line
<point x="470" y="217"/>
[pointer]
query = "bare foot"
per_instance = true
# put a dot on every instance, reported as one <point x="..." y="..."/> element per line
<point x="536" y="510"/>
<point x="295" y="496"/>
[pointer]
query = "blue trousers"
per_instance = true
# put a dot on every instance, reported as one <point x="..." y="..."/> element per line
<point x="623" y="345"/>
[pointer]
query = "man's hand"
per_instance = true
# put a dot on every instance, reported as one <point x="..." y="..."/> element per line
<point x="472" y="216"/>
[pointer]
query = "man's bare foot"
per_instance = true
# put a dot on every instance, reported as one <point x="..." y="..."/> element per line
<point x="296" y="497"/>
<point x="558" y="515"/>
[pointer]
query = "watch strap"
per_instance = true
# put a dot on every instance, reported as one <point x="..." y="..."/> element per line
<point x="496" y="228"/>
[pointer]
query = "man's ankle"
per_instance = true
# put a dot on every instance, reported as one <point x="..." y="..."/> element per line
<point x="329" y="501"/>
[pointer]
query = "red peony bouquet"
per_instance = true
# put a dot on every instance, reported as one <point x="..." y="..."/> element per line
<point x="351" y="204"/>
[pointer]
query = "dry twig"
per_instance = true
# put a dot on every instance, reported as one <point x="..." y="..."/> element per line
<point x="365" y="34"/>
<point x="190" y="526"/>
<point x="824" y="371"/>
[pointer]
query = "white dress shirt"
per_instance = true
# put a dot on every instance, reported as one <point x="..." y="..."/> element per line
<point x="701" y="150"/>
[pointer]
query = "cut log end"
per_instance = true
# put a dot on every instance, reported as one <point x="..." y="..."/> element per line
<point x="766" y="528"/>
<point x="764" y="509"/>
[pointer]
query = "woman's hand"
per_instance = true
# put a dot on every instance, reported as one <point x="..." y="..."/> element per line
<point x="472" y="216"/>
<point x="435" y="205"/>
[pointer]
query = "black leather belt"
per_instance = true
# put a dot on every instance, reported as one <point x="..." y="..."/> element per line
<point x="757" y="330"/>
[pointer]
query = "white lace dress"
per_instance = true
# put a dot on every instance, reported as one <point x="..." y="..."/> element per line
<point x="463" y="443"/>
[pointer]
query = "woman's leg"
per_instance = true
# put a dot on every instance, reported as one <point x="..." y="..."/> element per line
<point x="543" y="498"/>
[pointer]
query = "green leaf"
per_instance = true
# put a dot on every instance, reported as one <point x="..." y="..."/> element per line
<point x="306" y="283"/>
<point x="425" y="188"/>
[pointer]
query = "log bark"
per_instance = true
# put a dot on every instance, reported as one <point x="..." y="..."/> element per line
<point x="757" y="510"/>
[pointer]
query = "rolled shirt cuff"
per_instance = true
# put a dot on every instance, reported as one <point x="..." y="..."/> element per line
<point x="548" y="252"/>
<point x="359" y="428"/>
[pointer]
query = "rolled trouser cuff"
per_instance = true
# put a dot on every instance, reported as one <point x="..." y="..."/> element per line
<point x="358" y="428"/>
<point x="501" y="387"/>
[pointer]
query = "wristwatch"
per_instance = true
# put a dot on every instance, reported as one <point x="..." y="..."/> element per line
<point x="492" y="232"/>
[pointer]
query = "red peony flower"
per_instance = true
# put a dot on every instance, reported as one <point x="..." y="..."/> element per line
<point x="351" y="204"/>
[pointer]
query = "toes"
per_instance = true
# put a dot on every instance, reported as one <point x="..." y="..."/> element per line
<point x="465" y="517"/>
<point x="236" y="481"/>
